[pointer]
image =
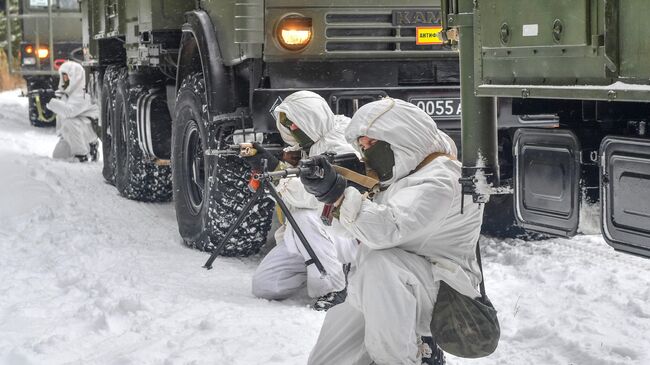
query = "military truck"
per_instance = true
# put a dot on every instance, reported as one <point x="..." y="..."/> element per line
<point x="585" y="62"/>
<point x="51" y="34"/>
<point x="178" y="78"/>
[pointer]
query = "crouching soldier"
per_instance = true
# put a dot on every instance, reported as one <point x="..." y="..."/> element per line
<point x="74" y="115"/>
<point x="412" y="235"/>
<point x="307" y="124"/>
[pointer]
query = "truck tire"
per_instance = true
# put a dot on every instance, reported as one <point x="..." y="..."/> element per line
<point x="41" y="83"/>
<point x="136" y="176"/>
<point x="33" y="111"/>
<point x="499" y="218"/>
<point x="210" y="194"/>
<point x="107" y="105"/>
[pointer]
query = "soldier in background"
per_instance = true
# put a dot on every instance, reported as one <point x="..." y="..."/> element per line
<point x="74" y="115"/>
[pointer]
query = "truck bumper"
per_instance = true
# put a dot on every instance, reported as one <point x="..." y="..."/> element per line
<point x="62" y="52"/>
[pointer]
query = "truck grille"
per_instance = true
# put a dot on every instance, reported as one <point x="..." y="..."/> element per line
<point x="371" y="33"/>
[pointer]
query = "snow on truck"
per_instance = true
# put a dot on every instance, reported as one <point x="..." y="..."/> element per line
<point x="178" y="78"/>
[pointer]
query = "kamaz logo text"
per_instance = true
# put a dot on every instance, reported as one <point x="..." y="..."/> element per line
<point x="416" y="17"/>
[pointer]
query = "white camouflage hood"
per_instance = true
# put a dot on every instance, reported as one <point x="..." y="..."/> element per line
<point x="74" y="102"/>
<point x="311" y="113"/>
<point x="77" y="77"/>
<point x="411" y="133"/>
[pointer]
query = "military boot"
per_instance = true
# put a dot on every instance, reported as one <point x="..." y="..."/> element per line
<point x="329" y="300"/>
<point x="430" y="352"/>
<point x="94" y="151"/>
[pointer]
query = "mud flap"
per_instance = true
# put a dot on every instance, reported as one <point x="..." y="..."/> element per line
<point x="547" y="177"/>
<point x="625" y="186"/>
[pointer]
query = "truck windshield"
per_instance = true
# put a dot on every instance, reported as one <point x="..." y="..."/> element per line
<point x="69" y="4"/>
<point x="65" y="5"/>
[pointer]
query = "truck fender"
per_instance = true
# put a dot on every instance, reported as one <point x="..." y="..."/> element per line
<point x="199" y="51"/>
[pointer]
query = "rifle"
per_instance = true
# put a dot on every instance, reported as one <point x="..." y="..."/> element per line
<point x="244" y="149"/>
<point x="347" y="165"/>
<point x="40" y="91"/>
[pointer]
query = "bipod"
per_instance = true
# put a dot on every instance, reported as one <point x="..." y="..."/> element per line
<point x="266" y="183"/>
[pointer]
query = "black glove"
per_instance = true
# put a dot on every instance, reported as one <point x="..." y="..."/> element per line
<point x="327" y="189"/>
<point x="255" y="162"/>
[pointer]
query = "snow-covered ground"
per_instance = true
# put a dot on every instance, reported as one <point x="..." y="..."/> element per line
<point x="87" y="277"/>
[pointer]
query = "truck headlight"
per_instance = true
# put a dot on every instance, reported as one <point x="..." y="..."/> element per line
<point x="43" y="52"/>
<point x="294" y="32"/>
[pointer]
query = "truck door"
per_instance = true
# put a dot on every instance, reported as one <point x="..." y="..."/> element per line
<point x="547" y="177"/>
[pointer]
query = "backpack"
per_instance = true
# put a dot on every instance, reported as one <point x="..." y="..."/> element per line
<point x="463" y="326"/>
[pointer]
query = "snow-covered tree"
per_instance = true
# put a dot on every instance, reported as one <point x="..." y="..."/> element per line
<point x="16" y="33"/>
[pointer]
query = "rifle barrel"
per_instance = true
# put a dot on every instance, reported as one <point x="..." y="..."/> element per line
<point x="290" y="172"/>
<point x="235" y="149"/>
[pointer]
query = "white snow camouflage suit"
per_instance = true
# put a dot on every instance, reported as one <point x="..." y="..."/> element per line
<point x="282" y="272"/>
<point x="74" y="111"/>
<point x="412" y="236"/>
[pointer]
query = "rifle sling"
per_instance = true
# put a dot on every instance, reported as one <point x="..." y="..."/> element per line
<point x="432" y="157"/>
<point x="363" y="180"/>
<point x="370" y="183"/>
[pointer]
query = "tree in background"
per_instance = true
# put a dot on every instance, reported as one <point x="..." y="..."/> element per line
<point x="8" y="81"/>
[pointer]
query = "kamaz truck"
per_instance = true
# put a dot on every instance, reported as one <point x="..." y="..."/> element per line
<point x="178" y="78"/>
<point x="51" y="35"/>
<point x="584" y="61"/>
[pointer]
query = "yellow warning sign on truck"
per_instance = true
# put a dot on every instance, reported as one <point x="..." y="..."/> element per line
<point x="427" y="35"/>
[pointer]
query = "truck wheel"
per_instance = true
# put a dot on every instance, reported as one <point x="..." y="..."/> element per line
<point x="209" y="194"/>
<point x="42" y="83"/>
<point x="499" y="218"/>
<point x="107" y="104"/>
<point x="136" y="176"/>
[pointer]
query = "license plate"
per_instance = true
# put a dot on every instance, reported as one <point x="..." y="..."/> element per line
<point x="439" y="108"/>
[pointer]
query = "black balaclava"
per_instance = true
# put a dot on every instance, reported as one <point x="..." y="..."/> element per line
<point x="381" y="159"/>
<point x="301" y="137"/>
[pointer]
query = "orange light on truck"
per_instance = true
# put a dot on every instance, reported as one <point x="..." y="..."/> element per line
<point x="43" y="52"/>
<point x="294" y="32"/>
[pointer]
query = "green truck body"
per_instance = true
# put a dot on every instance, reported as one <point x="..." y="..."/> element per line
<point x="599" y="44"/>
<point x="66" y="21"/>
<point x="585" y="62"/>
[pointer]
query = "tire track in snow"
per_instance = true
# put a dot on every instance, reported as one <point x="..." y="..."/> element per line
<point x="596" y="247"/>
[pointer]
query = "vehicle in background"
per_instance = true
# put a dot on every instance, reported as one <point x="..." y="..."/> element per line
<point x="585" y="62"/>
<point x="51" y="35"/>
